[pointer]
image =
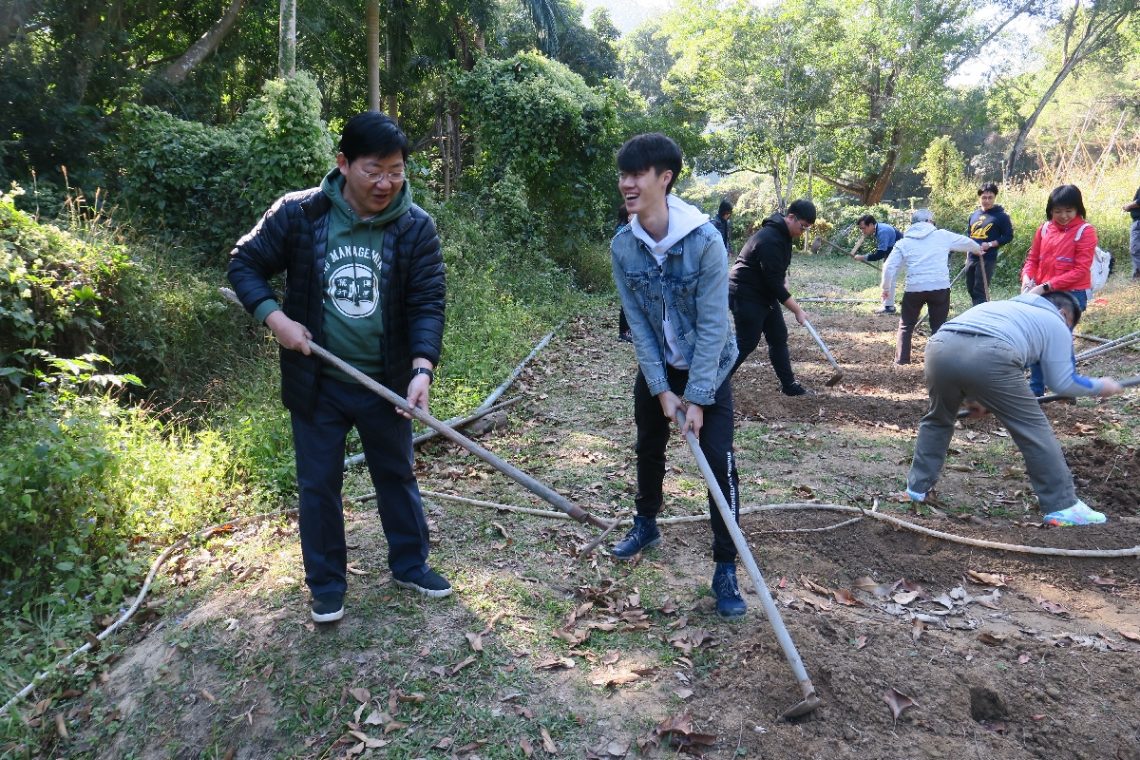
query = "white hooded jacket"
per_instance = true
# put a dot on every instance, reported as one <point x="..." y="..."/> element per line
<point x="923" y="251"/>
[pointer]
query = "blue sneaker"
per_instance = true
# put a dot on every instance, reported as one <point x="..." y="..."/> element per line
<point x="729" y="602"/>
<point x="642" y="535"/>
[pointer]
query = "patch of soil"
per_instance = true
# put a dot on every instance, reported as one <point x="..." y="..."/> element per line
<point x="1108" y="473"/>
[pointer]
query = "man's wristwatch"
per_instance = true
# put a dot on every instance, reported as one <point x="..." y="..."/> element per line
<point x="424" y="371"/>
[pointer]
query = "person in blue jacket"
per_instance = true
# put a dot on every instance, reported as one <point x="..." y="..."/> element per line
<point x="885" y="238"/>
<point x="991" y="227"/>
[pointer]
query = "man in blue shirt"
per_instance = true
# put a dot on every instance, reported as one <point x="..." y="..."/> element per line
<point x="885" y="237"/>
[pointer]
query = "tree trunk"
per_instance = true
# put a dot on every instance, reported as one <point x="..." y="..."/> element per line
<point x="372" y="24"/>
<point x="287" y="39"/>
<point x="176" y="73"/>
<point x="1097" y="34"/>
<point x="100" y="22"/>
<point x="1027" y="125"/>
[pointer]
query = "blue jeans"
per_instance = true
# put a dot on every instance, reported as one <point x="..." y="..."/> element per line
<point x="319" y="442"/>
<point x="1036" y="376"/>
<point x="653" y="431"/>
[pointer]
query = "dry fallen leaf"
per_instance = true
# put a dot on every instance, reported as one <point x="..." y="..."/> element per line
<point x="554" y="663"/>
<point x="986" y="579"/>
<point x="898" y="702"/>
<point x="615" y="679"/>
<point x="1050" y="607"/>
<point x="845" y="597"/>
<point x="360" y="694"/>
<point x="475" y="640"/>
<point x="860" y="642"/>
<point x="526" y="747"/>
<point x="917" y="628"/>
<point x="991" y="639"/>
<point x="683" y="694"/>
<point x="548" y="743"/>
<point x="1130" y="635"/>
<point x="905" y="597"/>
<point x="462" y="665"/>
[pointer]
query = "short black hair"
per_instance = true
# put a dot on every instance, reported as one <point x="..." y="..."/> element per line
<point x="372" y="134"/>
<point x="989" y="187"/>
<point x="1068" y="196"/>
<point x="803" y="209"/>
<point x="651" y="150"/>
<point x="1065" y="302"/>
<point x="866" y="219"/>
<point x="725" y="207"/>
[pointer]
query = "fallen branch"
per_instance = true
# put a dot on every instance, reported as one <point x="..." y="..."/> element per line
<point x="809" y="506"/>
<point x="826" y="299"/>
<point x="518" y="370"/>
<point x="129" y="613"/>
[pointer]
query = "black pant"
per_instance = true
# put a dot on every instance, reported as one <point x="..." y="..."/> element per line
<point x="387" y="441"/>
<point x="974" y="283"/>
<point x="623" y="323"/>
<point x="653" y="430"/>
<point x="937" y="303"/>
<point x="756" y="317"/>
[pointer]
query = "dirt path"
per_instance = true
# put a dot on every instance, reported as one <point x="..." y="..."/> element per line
<point x="1005" y="655"/>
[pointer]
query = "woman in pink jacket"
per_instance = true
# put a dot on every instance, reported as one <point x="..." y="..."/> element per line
<point x="1061" y="256"/>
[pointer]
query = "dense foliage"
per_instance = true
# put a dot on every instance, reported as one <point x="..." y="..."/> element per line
<point x="208" y="184"/>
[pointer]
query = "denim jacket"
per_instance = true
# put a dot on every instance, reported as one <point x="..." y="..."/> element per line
<point x="693" y="285"/>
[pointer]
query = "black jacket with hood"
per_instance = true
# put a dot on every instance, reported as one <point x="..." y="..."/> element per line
<point x="762" y="265"/>
<point x="292" y="238"/>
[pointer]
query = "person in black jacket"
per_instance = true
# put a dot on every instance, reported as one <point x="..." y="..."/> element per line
<point x="991" y="227"/>
<point x="723" y="223"/>
<point x="365" y="280"/>
<point x="757" y="285"/>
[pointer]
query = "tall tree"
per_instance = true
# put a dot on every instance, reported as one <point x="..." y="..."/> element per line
<point x="1084" y="29"/>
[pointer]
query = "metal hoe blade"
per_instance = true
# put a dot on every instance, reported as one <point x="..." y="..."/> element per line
<point x="835" y="378"/>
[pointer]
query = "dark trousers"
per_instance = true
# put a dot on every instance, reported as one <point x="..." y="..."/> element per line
<point x="1036" y="376"/>
<point x="653" y="430"/>
<point x="974" y="283"/>
<point x="387" y="441"/>
<point x="756" y="317"/>
<point x="623" y="323"/>
<point x="937" y="302"/>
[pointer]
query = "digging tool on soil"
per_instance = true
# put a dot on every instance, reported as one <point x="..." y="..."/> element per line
<point x="514" y="473"/>
<point x="1128" y="382"/>
<point x="810" y="701"/>
<point x="826" y="352"/>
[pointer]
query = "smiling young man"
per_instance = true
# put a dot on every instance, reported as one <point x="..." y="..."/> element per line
<point x="671" y="271"/>
<point x="364" y="279"/>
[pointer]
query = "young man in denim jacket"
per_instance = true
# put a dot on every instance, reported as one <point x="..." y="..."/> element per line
<point x="671" y="271"/>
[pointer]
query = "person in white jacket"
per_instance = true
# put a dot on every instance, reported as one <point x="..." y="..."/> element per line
<point x="923" y="251"/>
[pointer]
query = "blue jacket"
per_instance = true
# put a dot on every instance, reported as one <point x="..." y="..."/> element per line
<point x="885" y="238"/>
<point x="693" y="286"/>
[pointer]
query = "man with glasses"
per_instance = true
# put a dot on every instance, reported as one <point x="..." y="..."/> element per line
<point x="758" y="284"/>
<point x="885" y="238"/>
<point x="365" y="280"/>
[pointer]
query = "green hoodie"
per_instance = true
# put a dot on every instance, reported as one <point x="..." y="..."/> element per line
<point x="353" y="319"/>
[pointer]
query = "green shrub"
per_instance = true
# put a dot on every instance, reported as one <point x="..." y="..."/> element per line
<point x="539" y="121"/>
<point x="53" y="291"/>
<point x="209" y="184"/>
<point x="85" y="478"/>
